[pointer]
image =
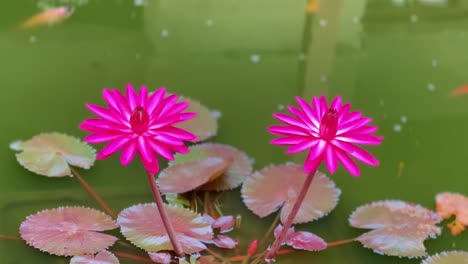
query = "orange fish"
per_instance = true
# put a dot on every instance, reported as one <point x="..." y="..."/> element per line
<point x="50" y="16"/>
<point x="460" y="90"/>
<point x="312" y="6"/>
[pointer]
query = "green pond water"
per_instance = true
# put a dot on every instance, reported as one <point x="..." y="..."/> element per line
<point x="397" y="61"/>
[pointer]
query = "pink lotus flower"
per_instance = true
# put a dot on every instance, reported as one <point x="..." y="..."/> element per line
<point x="139" y="123"/>
<point x="328" y="132"/>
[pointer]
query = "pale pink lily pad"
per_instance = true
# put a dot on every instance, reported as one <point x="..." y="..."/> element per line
<point x="400" y="228"/>
<point x="450" y="257"/>
<point x="301" y="240"/>
<point x="103" y="257"/>
<point x="224" y="242"/>
<point x="239" y="169"/>
<point x="187" y="176"/>
<point x="68" y="231"/>
<point x="448" y="204"/>
<point x="265" y="191"/>
<point x="142" y="225"/>
<point x="224" y="223"/>
<point x="204" y="125"/>
<point x="161" y="258"/>
<point x="50" y="154"/>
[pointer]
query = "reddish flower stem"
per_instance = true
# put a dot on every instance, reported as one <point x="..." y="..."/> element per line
<point x="10" y="237"/>
<point x="300" y="198"/>
<point x="94" y="194"/>
<point x="132" y="257"/>
<point x="340" y="242"/>
<point x="165" y="219"/>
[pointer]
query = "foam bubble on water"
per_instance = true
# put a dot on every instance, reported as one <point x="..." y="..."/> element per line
<point x="216" y="114"/>
<point x="255" y="58"/>
<point x="435" y="63"/>
<point x="414" y="18"/>
<point x="431" y="87"/>
<point x="323" y="78"/>
<point x="164" y="33"/>
<point x="280" y="107"/>
<point x="381" y="102"/>
<point x="404" y="119"/>
<point x="398" y="2"/>
<point x="355" y="19"/>
<point x="397" y="128"/>
<point x="209" y="22"/>
<point x="301" y="56"/>
<point x="323" y="22"/>
<point x="32" y="39"/>
<point x="137" y="56"/>
<point x="138" y="2"/>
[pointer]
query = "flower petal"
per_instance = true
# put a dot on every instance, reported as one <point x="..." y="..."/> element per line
<point x="290" y="120"/>
<point x="105" y="114"/>
<point x="144" y="149"/>
<point x="357" y="153"/>
<point x="175" y="132"/>
<point x="132" y="97"/>
<point x="100" y="138"/>
<point x="336" y="103"/>
<point x="161" y="149"/>
<point x="312" y="164"/>
<point x="323" y="106"/>
<point x="286" y="130"/>
<point x="361" y="139"/>
<point x="348" y="163"/>
<point x="318" y="150"/>
<point x="112" y="147"/>
<point x="177" y="108"/>
<point x="165" y="105"/>
<point x="151" y="167"/>
<point x="343" y="112"/>
<point x="142" y="97"/>
<point x="288" y="140"/>
<point x="331" y="159"/>
<point x="155" y="99"/>
<point x="128" y="153"/>
<point x="309" y="112"/>
<point x="304" y="145"/>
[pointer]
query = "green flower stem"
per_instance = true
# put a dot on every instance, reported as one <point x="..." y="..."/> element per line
<point x="165" y="219"/>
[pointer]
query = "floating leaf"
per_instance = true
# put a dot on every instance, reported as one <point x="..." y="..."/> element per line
<point x="451" y="257"/>
<point x="400" y="228"/>
<point x="240" y="166"/>
<point x="224" y="223"/>
<point x="68" y="231"/>
<point x="224" y="242"/>
<point x="142" y="225"/>
<point x="50" y="154"/>
<point x="448" y="204"/>
<point x="301" y="240"/>
<point x="162" y="258"/>
<point x="204" y="125"/>
<point x="103" y="257"/>
<point x="186" y="176"/>
<point x="265" y="191"/>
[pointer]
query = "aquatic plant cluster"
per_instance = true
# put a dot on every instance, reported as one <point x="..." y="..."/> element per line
<point x="189" y="226"/>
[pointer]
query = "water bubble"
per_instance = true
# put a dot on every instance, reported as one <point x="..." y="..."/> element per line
<point x="355" y="19"/>
<point x="255" y="58"/>
<point x="414" y="18"/>
<point x="381" y="102"/>
<point x="431" y="87"/>
<point x="209" y="22"/>
<point x="137" y="56"/>
<point x="164" y="33"/>
<point x="397" y="128"/>
<point x="216" y="114"/>
<point x="32" y="39"/>
<point x="323" y="78"/>
<point x="138" y="2"/>
<point x="301" y="56"/>
<point x="435" y="63"/>
<point x="323" y="22"/>
<point x="280" y="107"/>
<point x="404" y="119"/>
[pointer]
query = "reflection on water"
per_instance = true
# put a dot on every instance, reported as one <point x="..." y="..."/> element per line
<point x="397" y="61"/>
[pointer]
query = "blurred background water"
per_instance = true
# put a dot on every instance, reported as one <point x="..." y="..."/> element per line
<point x="397" y="61"/>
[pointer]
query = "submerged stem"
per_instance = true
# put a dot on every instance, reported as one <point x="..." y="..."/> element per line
<point x="165" y="219"/>
<point x="287" y="224"/>
<point x="93" y="193"/>
<point x="132" y="257"/>
<point x="340" y="242"/>
<point x="10" y="237"/>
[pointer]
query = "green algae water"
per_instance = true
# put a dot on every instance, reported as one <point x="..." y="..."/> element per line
<point x="397" y="61"/>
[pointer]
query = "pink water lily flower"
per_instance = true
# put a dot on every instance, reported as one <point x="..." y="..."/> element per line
<point x="139" y="123"/>
<point x="328" y="132"/>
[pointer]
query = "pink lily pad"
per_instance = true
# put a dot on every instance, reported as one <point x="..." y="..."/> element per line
<point x="399" y="228"/>
<point x="103" y="257"/>
<point x="448" y="204"/>
<point x="265" y="191"/>
<point x="204" y="125"/>
<point x="142" y="225"/>
<point x="187" y="176"/>
<point x="224" y="223"/>
<point x="224" y="242"/>
<point x="239" y="169"/>
<point x="68" y="231"/>
<point x="450" y="257"/>
<point x="302" y="240"/>
<point x="51" y="154"/>
<point x="161" y="258"/>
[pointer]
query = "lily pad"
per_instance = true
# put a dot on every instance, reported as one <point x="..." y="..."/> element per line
<point x="51" y="154"/>
<point x="400" y="228"/>
<point x="68" y="231"/>
<point x="187" y="176"/>
<point x="103" y="257"/>
<point x="204" y="125"/>
<point x="301" y="240"/>
<point x="161" y="258"/>
<point x="451" y="257"/>
<point x="141" y="224"/>
<point x="265" y="191"/>
<point x="448" y="204"/>
<point x="239" y="169"/>
<point x="224" y="242"/>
